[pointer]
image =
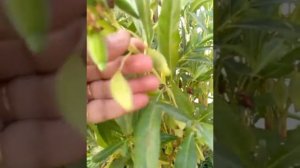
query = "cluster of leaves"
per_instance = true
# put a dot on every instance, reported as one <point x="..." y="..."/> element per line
<point x="257" y="80"/>
<point x="176" y="128"/>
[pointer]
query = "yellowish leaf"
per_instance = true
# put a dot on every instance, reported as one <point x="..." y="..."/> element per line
<point x="121" y="91"/>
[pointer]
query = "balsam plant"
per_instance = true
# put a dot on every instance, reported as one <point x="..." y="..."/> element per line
<point x="175" y="129"/>
<point x="257" y="83"/>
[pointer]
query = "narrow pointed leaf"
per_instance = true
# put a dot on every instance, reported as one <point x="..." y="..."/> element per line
<point x="143" y="7"/>
<point x="102" y="155"/>
<point x="147" y="138"/>
<point x="206" y="132"/>
<point x="271" y="51"/>
<point x="174" y="112"/>
<point x="187" y="154"/>
<point x="127" y="7"/>
<point x="121" y="91"/>
<point x="31" y="20"/>
<point x="168" y="33"/>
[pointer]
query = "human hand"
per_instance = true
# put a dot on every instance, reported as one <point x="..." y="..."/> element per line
<point x="33" y="133"/>
<point x="101" y="106"/>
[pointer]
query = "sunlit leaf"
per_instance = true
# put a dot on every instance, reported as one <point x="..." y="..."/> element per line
<point x="121" y="91"/>
<point x="97" y="49"/>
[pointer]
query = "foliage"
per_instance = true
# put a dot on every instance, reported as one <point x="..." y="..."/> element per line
<point x="256" y="79"/>
<point x="175" y="130"/>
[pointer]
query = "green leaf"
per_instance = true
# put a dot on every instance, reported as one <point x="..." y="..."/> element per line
<point x="206" y="132"/>
<point x="147" y="138"/>
<point x="31" y="20"/>
<point x="165" y="138"/>
<point x="276" y="70"/>
<point x="294" y="90"/>
<point x="94" y="134"/>
<point x="187" y="154"/>
<point x="234" y="136"/>
<point x="97" y="49"/>
<point x="168" y="32"/>
<point x="127" y="7"/>
<point x="288" y="155"/>
<point x="121" y="91"/>
<point x="143" y="7"/>
<point x="272" y="51"/>
<point x="125" y="123"/>
<point x="104" y="154"/>
<point x="183" y="102"/>
<point x="109" y="132"/>
<point x="174" y="112"/>
<point x="71" y="86"/>
<point x="269" y="25"/>
<point x="282" y="67"/>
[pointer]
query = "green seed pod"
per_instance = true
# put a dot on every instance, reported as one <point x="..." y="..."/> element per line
<point x="31" y="20"/>
<point x="159" y="61"/>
